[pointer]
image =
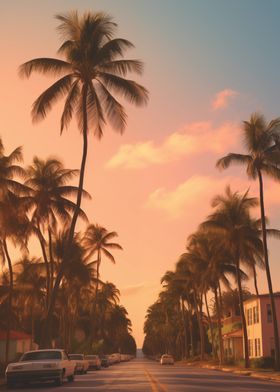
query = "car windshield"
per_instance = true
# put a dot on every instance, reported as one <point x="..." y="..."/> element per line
<point x="40" y="355"/>
<point x="76" y="356"/>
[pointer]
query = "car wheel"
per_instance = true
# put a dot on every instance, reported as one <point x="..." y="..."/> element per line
<point x="71" y="378"/>
<point x="59" y="381"/>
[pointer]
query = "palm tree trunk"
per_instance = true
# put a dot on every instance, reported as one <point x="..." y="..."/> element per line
<point x="268" y="275"/>
<point x="221" y="344"/>
<point x="221" y="298"/>
<point x="10" y="301"/>
<point x="46" y="261"/>
<point x="185" y="351"/>
<point x="96" y="295"/>
<point x="255" y="280"/>
<point x="243" y="319"/>
<point x="210" y="325"/>
<point x="48" y="328"/>
<point x="190" y="322"/>
<point x="201" y="332"/>
<point x="51" y="259"/>
<point x="32" y="326"/>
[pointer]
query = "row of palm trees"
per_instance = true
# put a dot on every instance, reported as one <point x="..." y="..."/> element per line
<point x="230" y="240"/>
<point x="36" y="205"/>
<point x="91" y="72"/>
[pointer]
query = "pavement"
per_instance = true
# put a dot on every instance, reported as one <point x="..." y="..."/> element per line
<point x="142" y="375"/>
<point x="265" y="374"/>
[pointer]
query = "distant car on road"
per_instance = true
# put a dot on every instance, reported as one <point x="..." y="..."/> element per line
<point x="166" y="359"/>
<point x="40" y="365"/>
<point x="94" y="362"/>
<point x="82" y="364"/>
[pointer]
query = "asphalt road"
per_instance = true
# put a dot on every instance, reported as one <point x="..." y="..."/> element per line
<point x="141" y="375"/>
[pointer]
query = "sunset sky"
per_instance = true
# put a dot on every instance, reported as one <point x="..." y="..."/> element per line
<point x="208" y="66"/>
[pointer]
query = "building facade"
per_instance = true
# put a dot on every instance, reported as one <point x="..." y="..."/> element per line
<point x="260" y="326"/>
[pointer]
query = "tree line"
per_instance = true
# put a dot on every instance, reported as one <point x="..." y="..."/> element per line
<point x="91" y="72"/>
<point x="227" y="248"/>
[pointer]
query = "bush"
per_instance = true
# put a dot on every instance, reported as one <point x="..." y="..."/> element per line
<point x="262" y="363"/>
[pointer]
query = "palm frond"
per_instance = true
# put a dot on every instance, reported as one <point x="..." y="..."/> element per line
<point x="70" y="105"/>
<point x="225" y="162"/>
<point x="50" y="66"/>
<point x="122" y="67"/>
<point x="44" y="102"/>
<point x="130" y="90"/>
<point x="114" y="110"/>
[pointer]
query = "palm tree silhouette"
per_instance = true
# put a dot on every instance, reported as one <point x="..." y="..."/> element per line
<point x="93" y="70"/>
<point x="262" y="142"/>
<point x="49" y="203"/>
<point x="238" y="234"/>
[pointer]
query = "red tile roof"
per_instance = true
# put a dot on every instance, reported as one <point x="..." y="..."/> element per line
<point x="14" y="335"/>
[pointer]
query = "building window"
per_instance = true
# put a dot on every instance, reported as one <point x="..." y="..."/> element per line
<point x="256" y="314"/>
<point x="250" y="347"/>
<point x="249" y="316"/>
<point x="257" y="347"/>
<point x="269" y="313"/>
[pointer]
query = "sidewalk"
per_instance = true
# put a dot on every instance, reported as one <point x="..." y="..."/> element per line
<point x="264" y="374"/>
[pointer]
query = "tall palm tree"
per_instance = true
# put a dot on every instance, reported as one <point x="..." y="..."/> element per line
<point x="30" y="290"/>
<point x="238" y="234"/>
<point x="14" y="226"/>
<point x="12" y="214"/>
<point x="92" y="71"/>
<point x="212" y="265"/>
<point x="49" y="202"/>
<point x="262" y="142"/>
<point x="97" y="240"/>
<point x="173" y="283"/>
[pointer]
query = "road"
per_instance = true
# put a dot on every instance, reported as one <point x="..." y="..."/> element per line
<point x="141" y="375"/>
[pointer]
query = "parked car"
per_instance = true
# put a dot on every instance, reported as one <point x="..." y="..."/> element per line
<point x="104" y="361"/>
<point x="166" y="359"/>
<point x="94" y="362"/>
<point x="40" y="365"/>
<point x="82" y="363"/>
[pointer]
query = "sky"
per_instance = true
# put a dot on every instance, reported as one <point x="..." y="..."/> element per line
<point x="208" y="66"/>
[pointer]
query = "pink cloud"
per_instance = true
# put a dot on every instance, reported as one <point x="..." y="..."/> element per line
<point x="196" y="193"/>
<point x="222" y="98"/>
<point x="194" y="138"/>
<point x="138" y="288"/>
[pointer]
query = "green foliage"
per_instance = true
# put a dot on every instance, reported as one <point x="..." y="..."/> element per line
<point x="262" y="363"/>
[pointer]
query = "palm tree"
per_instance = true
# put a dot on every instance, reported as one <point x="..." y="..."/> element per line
<point x="238" y="234"/>
<point x="93" y="70"/>
<point x="30" y="290"/>
<point x="97" y="240"/>
<point x="12" y="214"/>
<point x="172" y="282"/>
<point x="14" y="226"/>
<point x="262" y="142"/>
<point x="212" y="265"/>
<point x="49" y="202"/>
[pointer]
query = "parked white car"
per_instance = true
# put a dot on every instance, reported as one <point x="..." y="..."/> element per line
<point x="41" y="365"/>
<point x="82" y="364"/>
<point x="166" y="359"/>
<point x="94" y="362"/>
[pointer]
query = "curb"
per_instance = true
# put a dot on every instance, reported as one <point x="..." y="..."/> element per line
<point x="250" y="373"/>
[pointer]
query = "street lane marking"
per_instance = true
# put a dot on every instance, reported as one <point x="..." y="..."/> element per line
<point x="151" y="381"/>
<point x="155" y="384"/>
